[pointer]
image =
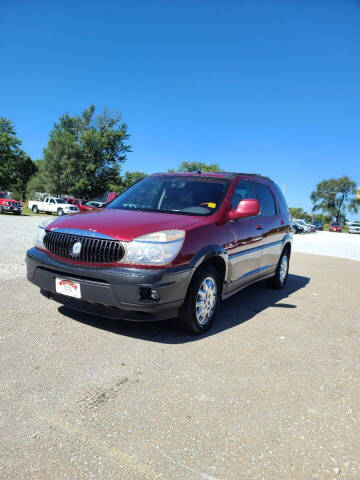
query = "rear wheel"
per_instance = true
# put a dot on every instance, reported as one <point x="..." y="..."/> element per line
<point x="35" y="209"/>
<point x="202" y="301"/>
<point x="282" y="271"/>
<point x="60" y="212"/>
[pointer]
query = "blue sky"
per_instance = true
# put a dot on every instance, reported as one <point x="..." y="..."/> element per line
<point x="268" y="86"/>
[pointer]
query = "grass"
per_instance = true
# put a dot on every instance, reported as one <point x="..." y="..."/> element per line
<point x="29" y="213"/>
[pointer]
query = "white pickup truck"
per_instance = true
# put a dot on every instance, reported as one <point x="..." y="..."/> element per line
<point x="53" y="205"/>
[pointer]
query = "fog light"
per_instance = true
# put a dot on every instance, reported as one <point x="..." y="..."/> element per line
<point x="154" y="294"/>
<point x="148" y="293"/>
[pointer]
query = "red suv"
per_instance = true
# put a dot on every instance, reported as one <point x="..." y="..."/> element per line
<point x="7" y="204"/>
<point x="171" y="246"/>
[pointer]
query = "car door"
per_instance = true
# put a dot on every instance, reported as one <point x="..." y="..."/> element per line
<point x="272" y="227"/>
<point x="45" y="205"/>
<point x="52" y="205"/>
<point x="245" y="243"/>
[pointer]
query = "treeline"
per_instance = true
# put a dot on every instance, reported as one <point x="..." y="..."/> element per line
<point x="83" y="158"/>
<point x="332" y="199"/>
<point x="16" y="167"/>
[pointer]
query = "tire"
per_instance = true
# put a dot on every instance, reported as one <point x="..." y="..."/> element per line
<point x="60" y="212"/>
<point x="17" y="213"/>
<point x="1" y="209"/>
<point x="35" y="209"/>
<point x="190" y="319"/>
<point x="278" y="281"/>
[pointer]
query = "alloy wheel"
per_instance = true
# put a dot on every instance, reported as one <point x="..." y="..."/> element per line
<point x="206" y="300"/>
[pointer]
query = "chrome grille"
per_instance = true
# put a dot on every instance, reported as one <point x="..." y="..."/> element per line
<point x="93" y="250"/>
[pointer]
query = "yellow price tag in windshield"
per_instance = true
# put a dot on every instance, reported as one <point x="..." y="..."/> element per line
<point x="212" y="205"/>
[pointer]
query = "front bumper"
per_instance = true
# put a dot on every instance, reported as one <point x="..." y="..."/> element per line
<point x="11" y="208"/>
<point x="112" y="292"/>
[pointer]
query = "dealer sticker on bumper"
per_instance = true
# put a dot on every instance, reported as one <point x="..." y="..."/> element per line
<point x="68" y="287"/>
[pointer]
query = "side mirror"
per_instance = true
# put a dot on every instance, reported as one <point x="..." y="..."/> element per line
<point x="249" y="207"/>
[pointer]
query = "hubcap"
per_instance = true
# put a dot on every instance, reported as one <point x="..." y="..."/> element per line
<point x="206" y="300"/>
<point x="283" y="269"/>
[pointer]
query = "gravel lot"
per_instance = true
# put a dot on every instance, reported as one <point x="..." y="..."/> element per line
<point x="271" y="393"/>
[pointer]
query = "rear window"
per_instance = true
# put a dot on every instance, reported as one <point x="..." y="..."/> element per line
<point x="281" y="198"/>
<point x="266" y="199"/>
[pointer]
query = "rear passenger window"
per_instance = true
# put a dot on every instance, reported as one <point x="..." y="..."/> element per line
<point x="282" y="198"/>
<point x="242" y="190"/>
<point x="266" y="199"/>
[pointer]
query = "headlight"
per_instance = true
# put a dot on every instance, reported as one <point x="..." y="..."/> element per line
<point x="40" y="234"/>
<point x="157" y="248"/>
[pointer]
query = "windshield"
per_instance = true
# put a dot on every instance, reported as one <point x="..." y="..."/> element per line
<point x="172" y="194"/>
<point x="59" y="200"/>
<point x="4" y="195"/>
<point x="84" y="202"/>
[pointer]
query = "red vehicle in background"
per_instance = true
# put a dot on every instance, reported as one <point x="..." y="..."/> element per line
<point x="81" y="204"/>
<point x="335" y="227"/>
<point x="7" y="204"/>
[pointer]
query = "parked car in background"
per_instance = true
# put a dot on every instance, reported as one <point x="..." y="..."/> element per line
<point x="297" y="228"/>
<point x="318" y="225"/>
<point x="53" y="205"/>
<point x="335" y="227"/>
<point x="171" y="246"/>
<point x="81" y="204"/>
<point x="8" y="204"/>
<point x="354" y="227"/>
<point x="111" y="196"/>
<point x="307" y="227"/>
<point x="96" y="204"/>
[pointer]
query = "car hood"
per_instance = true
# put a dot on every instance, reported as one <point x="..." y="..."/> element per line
<point x="9" y="200"/>
<point x="123" y="225"/>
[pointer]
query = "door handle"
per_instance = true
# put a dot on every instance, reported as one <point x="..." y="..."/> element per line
<point x="259" y="227"/>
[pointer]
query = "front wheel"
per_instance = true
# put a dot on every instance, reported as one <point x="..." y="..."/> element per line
<point x="282" y="271"/>
<point x="202" y="301"/>
<point x="60" y="212"/>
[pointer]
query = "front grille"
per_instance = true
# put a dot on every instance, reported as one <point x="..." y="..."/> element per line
<point x="93" y="250"/>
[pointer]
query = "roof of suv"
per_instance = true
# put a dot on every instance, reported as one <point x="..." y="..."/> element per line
<point x="228" y="175"/>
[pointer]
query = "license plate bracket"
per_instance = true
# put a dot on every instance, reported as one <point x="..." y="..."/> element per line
<point x="67" y="287"/>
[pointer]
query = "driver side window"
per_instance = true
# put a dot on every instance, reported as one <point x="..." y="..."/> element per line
<point x="243" y="189"/>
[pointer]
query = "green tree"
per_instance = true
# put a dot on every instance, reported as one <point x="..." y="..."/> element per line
<point x="195" y="166"/>
<point x="24" y="169"/>
<point x="85" y="152"/>
<point x="130" y="178"/>
<point x="297" y="212"/>
<point x="16" y="167"/>
<point x="39" y="181"/>
<point x="335" y="196"/>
